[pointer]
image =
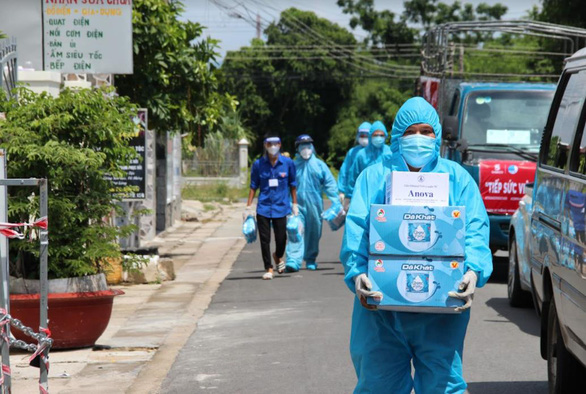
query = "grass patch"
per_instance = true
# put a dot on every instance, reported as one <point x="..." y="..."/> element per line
<point x="208" y="207"/>
<point x="219" y="192"/>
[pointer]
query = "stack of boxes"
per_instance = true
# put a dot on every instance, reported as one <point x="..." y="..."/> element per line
<point x="416" y="251"/>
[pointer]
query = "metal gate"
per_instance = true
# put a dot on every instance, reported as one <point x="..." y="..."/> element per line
<point x="8" y="66"/>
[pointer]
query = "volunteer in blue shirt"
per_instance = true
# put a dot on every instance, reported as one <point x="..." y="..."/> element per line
<point x="384" y="344"/>
<point x="372" y="154"/>
<point x="362" y="141"/>
<point x="274" y="175"/>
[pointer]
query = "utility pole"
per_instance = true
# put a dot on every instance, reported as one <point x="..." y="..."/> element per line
<point x="257" y="25"/>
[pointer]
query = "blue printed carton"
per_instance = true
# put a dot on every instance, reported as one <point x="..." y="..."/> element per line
<point x="416" y="283"/>
<point x="421" y="231"/>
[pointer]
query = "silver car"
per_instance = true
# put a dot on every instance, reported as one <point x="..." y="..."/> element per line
<point x="519" y="286"/>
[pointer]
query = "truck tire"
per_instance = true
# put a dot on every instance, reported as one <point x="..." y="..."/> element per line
<point x="564" y="372"/>
<point x="518" y="298"/>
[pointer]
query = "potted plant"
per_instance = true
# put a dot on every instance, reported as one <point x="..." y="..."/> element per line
<point x="77" y="141"/>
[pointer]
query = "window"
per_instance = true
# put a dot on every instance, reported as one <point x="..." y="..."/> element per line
<point x="566" y="121"/>
<point x="455" y="103"/>
<point x="506" y="117"/>
<point x="578" y="162"/>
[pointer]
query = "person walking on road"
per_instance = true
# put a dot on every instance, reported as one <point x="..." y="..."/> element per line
<point x="385" y="344"/>
<point x="362" y="142"/>
<point x="274" y="174"/>
<point x="371" y="154"/>
<point x="313" y="178"/>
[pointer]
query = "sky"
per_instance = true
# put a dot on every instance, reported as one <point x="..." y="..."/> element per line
<point x="235" y="32"/>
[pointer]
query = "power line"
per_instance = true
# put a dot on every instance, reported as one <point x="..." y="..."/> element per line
<point x="295" y="23"/>
<point x="383" y="69"/>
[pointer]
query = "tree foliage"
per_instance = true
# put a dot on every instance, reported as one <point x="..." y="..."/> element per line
<point x="74" y="141"/>
<point x="173" y="77"/>
<point x="287" y="91"/>
<point x="383" y="29"/>
<point x="381" y="25"/>
<point x="564" y="12"/>
<point x="432" y="12"/>
<point x="370" y="100"/>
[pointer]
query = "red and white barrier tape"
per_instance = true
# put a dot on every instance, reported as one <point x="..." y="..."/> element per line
<point x="6" y="229"/>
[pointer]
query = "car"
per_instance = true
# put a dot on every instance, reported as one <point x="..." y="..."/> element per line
<point x="557" y="235"/>
<point x="519" y="287"/>
<point x="493" y="130"/>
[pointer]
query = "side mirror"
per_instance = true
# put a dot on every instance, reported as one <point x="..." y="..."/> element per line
<point x="450" y="128"/>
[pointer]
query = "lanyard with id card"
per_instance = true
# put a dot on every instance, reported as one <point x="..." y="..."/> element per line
<point x="273" y="182"/>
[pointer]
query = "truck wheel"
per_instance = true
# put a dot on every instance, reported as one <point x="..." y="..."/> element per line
<point x="518" y="297"/>
<point x="564" y="372"/>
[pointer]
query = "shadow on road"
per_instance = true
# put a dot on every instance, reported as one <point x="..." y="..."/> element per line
<point x="524" y="318"/>
<point x="507" y="387"/>
<point x="500" y="268"/>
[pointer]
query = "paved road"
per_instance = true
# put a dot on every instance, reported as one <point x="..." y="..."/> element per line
<point x="290" y="335"/>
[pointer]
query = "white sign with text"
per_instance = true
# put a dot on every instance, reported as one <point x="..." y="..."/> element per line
<point x="418" y="189"/>
<point x="87" y="36"/>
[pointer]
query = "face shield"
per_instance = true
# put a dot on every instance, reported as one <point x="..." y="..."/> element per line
<point x="305" y="151"/>
<point x="273" y="145"/>
<point x="363" y="139"/>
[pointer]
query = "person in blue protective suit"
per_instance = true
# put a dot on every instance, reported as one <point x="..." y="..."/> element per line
<point x="372" y="154"/>
<point x="362" y="142"/>
<point x="383" y="344"/>
<point x="313" y="178"/>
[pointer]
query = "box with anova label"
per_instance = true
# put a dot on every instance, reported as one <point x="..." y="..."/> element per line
<point x="413" y="230"/>
<point x="416" y="283"/>
<point x="417" y="188"/>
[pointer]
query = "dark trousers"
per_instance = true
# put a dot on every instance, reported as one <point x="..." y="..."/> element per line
<point x="264" y="232"/>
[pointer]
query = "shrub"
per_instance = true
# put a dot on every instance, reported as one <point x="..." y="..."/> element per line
<point x="75" y="141"/>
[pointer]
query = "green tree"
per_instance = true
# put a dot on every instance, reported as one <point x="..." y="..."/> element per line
<point x="383" y="29"/>
<point x="380" y="25"/>
<point x="564" y="12"/>
<point x="290" y="91"/>
<point x="370" y="100"/>
<point x="173" y="74"/>
<point x="74" y="140"/>
<point x="432" y="12"/>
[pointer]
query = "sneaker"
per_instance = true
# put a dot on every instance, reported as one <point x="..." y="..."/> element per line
<point x="311" y="266"/>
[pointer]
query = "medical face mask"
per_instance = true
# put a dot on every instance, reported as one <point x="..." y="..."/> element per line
<point x="378" y="141"/>
<point x="363" y="141"/>
<point x="417" y="150"/>
<point x="305" y="151"/>
<point x="273" y="150"/>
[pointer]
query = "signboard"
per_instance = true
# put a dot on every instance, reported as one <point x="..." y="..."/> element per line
<point x="430" y="90"/>
<point x="418" y="188"/>
<point x="136" y="169"/>
<point x="87" y="36"/>
<point x="502" y="184"/>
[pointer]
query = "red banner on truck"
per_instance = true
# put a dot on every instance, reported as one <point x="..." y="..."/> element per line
<point x="429" y="88"/>
<point x="502" y="184"/>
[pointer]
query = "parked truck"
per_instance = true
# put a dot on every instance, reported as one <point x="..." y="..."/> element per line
<point x="492" y="122"/>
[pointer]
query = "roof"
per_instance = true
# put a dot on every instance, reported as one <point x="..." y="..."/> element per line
<point x="578" y="57"/>
<point x="470" y="86"/>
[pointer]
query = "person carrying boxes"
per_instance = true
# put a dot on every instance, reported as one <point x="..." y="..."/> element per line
<point x="384" y="343"/>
